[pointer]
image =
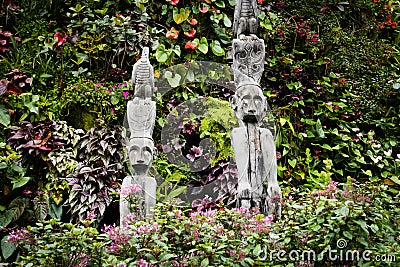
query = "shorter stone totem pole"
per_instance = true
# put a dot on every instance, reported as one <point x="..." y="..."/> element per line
<point x="254" y="147"/>
<point x="141" y="113"/>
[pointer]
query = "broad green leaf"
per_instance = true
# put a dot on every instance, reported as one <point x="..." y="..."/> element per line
<point x="20" y="182"/>
<point x="55" y="211"/>
<point x="181" y="15"/>
<point x="203" y="45"/>
<point x="7" y="249"/>
<point x="17" y="206"/>
<point x="6" y="217"/>
<point x="162" y="54"/>
<point x="227" y="21"/>
<point x="216" y="48"/>
<point x="173" y="80"/>
<point x="4" y="116"/>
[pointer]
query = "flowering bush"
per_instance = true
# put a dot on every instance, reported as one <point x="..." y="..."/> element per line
<point x="218" y="236"/>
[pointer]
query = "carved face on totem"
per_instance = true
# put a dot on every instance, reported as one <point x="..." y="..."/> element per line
<point x="249" y="103"/>
<point x="140" y="152"/>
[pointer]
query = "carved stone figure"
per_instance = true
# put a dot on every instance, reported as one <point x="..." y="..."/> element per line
<point x="255" y="151"/>
<point x="245" y="18"/>
<point x="143" y="76"/>
<point x="140" y="153"/>
<point x="140" y="117"/>
<point x="254" y="147"/>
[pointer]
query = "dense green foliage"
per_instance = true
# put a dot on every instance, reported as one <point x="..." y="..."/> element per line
<point x="333" y="84"/>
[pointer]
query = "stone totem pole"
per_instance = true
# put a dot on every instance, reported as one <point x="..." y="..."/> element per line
<point x="141" y="113"/>
<point x="254" y="147"/>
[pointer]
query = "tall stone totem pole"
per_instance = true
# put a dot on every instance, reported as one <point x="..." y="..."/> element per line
<point x="141" y="113"/>
<point x="254" y="147"/>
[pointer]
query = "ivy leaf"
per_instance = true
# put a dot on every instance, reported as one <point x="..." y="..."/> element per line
<point x="4" y="116"/>
<point x="182" y="16"/>
<point x="7" y="249"/>
<point x="203" y="45"/>
<point x="216" y="48"/>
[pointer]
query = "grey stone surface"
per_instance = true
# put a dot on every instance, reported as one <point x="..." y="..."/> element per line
<point x="245" y="17"/>
<point x="253" y="146"/>
<point x="141" y="113"/>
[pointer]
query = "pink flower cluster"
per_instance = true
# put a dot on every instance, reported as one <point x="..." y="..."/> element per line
<point x="130" y="189"/>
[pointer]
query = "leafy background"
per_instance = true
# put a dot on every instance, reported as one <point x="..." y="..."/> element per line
<point x="331" y="77"/>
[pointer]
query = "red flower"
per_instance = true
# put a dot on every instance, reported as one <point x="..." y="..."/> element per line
<point x="172" y="34"/>
<point x="204" y="9"/>
<point x="191" y="45"/>
<point x="119" y="15"/>
<point x="190" y="34"/>
<point x="61" y="37"/>
<point x="173" y="2"/>
<point x="193" y="22"/>
<point x="260" y="1"/>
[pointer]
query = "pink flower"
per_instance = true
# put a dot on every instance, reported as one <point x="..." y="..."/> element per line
<point x="190" y="34"/>
<point x="126" y="94"/>
<point x="204" y="9"/>
<point x="130" y="189"/>
<point x="61" y="37"/>
<point x="191" y="45"/>
<point x="193" y="22"/>
<point x="172" y="34"/>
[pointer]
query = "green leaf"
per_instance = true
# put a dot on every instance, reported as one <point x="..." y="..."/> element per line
<point x="204" y="262"/>
<point x="162" y="54"/>
<point x="174" y="81"/>
<point x="203" y="45"/>
<point x="55" y="211"/>
<point x="292" y="162"/>
<point x="180" y="17"/>
<point x="20" y="182"/>
<point x="177" y="192"/>
<point x="348" y="235"/>
<point x="227" y="21"/>
<point x="216" y="48"/>
<point x="6" y="217"/>
<point x="166" y="256"/>
<point x="4" y="116"/>
<point x="177" y="50"/>
<point x="320" y="131"/>
<point x="7" y="249"/>
<point x="45" y="75"/>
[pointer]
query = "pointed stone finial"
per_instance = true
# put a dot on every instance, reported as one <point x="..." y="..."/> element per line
<point x="143" y="76"/>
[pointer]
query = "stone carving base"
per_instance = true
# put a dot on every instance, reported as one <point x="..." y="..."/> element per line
<point x="147" y="196"/>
